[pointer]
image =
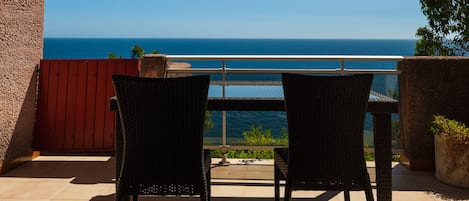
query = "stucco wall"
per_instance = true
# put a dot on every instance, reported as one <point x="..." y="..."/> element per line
<point x="429" y="86"/>
<point x="21" y="42"/>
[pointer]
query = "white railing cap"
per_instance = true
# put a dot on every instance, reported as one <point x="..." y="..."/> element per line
<point x="288" y="57"/>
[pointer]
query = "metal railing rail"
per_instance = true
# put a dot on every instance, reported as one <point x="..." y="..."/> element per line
<point x="340" y="58"/>
<point x="288" y="57"/>
<point x="224" y="70"/>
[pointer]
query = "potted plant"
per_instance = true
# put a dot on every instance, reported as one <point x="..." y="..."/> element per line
<point x="451" y="151"/>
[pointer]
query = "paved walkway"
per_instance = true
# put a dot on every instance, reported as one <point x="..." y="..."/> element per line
<point x="79" y="178"/>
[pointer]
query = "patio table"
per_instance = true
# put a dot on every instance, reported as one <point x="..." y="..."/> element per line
<point x="380" y="106"/>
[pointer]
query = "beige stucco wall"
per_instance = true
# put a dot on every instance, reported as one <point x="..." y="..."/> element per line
<point x="21" y="43"/>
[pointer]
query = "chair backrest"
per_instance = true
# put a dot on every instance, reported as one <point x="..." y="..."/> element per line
<point x="162" y="121"/>
<point x="326" y="116"/>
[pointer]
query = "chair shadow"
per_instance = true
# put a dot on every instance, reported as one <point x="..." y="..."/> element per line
<point x="324" y="196"/>
<point x="94" y="172"/>
<point x="82" y="172"/>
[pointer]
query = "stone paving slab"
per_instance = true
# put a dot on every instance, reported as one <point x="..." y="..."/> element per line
<point x="91" y="178"/>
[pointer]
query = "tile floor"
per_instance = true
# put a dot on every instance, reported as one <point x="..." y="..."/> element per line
<point x="91" y="178"/>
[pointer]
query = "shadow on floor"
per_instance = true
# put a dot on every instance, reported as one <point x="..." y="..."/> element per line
<point x="425" y="181"/>
<point x="323" y="196"/>
<point x="83" y="172"/>
<point x="95" y="172"/>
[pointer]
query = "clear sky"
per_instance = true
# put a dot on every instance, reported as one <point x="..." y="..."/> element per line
<point x="349" y="19"/>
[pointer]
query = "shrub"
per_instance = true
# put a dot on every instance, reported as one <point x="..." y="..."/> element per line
<point x="450" y="129"/>
<point x="256" y="136"/>
<point x="260" y="137"/>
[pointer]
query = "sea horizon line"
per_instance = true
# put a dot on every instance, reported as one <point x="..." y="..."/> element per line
<point x="177" y="38"/>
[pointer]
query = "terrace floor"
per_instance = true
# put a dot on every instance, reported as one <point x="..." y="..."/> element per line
<point x="91" y="178"/>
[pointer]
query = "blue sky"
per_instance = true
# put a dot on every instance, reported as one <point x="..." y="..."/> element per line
<point x="349" y="19"/>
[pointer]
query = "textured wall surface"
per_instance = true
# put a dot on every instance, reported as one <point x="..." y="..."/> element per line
<point x="429" y="86"/>
<point x="21" y="42"/>
<point x="155" y="65"/>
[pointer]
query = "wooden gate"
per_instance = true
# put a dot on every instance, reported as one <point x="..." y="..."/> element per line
<point x="73" y="104"/>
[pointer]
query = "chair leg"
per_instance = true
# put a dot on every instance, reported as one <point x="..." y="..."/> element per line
<point x="347" y="195"/>
<point x="120" y="197"/>
<point x="209" y="186"/>
<point x="368" y="191"/>
<point x="287" y="196"/>
<point x="277" y="183"/>
<point x="203" y="196"/>
<point x="369" y="194"/>
<point x="135" y="197"/>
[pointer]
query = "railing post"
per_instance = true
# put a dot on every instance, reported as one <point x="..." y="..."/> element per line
<point x="342" y="67"/>
<point x="224" y="147"/>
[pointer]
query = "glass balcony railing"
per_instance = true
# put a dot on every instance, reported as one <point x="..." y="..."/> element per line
<point x="259" y="76"/>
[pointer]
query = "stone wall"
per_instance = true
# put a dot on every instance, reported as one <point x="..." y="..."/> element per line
<point x="21" y="43"/>
<point x="429" y="86"/>
<point x="155" y="65"/>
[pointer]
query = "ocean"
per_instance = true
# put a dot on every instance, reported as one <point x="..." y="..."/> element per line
<point x="237" y="122"/>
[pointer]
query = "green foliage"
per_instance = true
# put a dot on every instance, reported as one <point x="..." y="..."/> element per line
<point x="208" y="123"/>
<point x="395" y="133"/>
<point x="283" y="140"/>
<point x="111" y="55"/>
<point x="216" y="153"/>
<point x="257" y="154"/>
<point x="268" y="154"/>
<point x="393" y="94"/>
<point x="263" y="137"/>
<point x="396" y="157"/>
<point x="137" y="52"/>
<point x="450" y="129"/>
<point x="253" y="154"/>
<point x="447" y="33"/>
<point x="429" y="44"/>
<point x="369" y="156"/>
<point x="258" y="136"/>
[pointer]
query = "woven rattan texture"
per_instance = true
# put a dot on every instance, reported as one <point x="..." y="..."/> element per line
<point x="325" y="117"/>
<point x="162" y="121"/>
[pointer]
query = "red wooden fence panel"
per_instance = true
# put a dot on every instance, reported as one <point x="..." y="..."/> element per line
<point x="73" y="104"/>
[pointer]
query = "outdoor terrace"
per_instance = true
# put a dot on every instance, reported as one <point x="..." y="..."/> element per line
<point x="423" y="90"/>
<point x="91" y="178"/>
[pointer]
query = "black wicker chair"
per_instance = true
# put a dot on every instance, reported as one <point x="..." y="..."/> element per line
<point x="162" y="121"/>
<point x="325" y="116"/>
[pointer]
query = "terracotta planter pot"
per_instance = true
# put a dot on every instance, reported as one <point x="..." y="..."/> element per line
<point x="451" y="162"/>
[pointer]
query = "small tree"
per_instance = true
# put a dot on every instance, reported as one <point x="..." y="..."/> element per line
<point x="447" y="33"/>
<point x="111" y="55"/>
<point x="137" y="52"/>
